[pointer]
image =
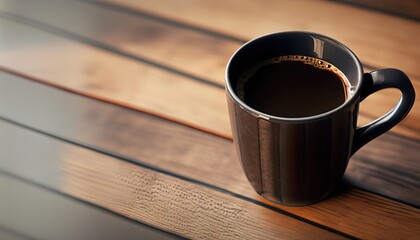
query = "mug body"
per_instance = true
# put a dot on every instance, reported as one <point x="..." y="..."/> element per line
<point x="293" y="161"/>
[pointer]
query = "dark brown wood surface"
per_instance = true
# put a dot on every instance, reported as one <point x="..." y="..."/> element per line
<point x="146" y="195"/>
<point x="202" y="157"/>
<point x="403" y="8"/>
<point x="142" y="129"/>
<point x="72" y="219"/>
<point x="147" y="57"/>
<point x="362" y="30"/>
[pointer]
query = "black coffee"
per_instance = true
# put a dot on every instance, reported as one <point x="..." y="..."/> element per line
<point x="293" y="86"/>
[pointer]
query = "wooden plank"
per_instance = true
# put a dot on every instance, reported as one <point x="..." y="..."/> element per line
<point x="402" y="8"/>
<point x="105" y="75"/>
<point x="142" y="194"/>
<point x="63" y="18"/>
<point x="378" y="39"/>
<point x="48" y="215"/>
<point x="211" y="160"/>
<point x="162" y="43"/>
<point x="386" y="163"/>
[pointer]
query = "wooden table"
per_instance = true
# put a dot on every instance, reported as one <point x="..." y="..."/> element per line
<point x="114" y="123"/>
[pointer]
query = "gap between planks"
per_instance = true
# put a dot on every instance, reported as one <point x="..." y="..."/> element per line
<point x="303" y="209"/>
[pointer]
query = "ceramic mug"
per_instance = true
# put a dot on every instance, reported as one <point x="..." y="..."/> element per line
<point x="299" y="161"/>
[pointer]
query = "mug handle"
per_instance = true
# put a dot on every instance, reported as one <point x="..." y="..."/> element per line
<point x="373" y="82"/>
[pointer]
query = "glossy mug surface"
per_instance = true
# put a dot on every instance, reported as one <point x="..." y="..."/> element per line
<point x="299" y="160"/>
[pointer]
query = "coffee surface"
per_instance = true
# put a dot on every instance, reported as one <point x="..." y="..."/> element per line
<point x="293" y="86"/>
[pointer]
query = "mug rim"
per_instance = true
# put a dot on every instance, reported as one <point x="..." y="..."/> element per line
<point x="274" y="118"/>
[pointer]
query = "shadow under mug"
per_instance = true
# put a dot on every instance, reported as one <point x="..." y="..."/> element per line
<point x="299" y="161"/>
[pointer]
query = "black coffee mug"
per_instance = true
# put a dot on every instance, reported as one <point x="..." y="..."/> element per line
<point x="299" y="161"/>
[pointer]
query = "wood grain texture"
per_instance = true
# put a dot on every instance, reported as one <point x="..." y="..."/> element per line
<point x="144" y="195"/>
<point x="179" y="48"/>
<point x="403" y="8"/>
<point x="138" y="94"/>
<point x="397" y="172"/>
<point x="50" y="216"/>
<point x="378" y="39"/>
<point x="212" y="160"/>
<point x="103" y="74"/>
<point x="95" y="72"/>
